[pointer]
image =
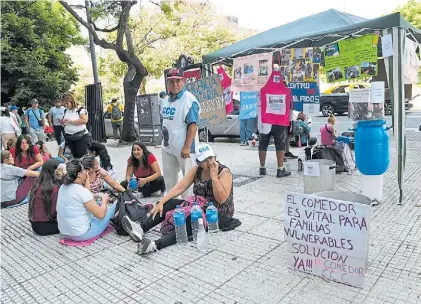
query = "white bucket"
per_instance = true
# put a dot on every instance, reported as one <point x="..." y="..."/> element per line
<point x="326" y="179"/>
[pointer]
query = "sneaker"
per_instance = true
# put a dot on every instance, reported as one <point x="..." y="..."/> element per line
<point x="243" y="144"/>
<point x="282" y="173"/>
<point x="132" y="228"/>
<point x="290" y="155"/>
<point x="262" y="171"/>
<point x="146" y="246"/>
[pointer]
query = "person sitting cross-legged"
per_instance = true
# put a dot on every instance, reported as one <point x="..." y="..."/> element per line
<point x="210" y="179"/>
<point x="79" y="216"/>
<point x="144" y="166"/>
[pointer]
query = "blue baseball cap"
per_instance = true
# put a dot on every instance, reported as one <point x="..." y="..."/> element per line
<point x="12" y="108"/>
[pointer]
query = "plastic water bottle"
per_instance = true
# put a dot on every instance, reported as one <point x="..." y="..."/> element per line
<point x="202" y="237"/>
<point x="133" y="184"/>
<point x="212" y="218"/>
<point x="195" y="215"/>
<point x="180" y="226"/>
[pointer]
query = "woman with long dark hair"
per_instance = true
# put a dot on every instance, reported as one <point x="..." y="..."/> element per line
<point x="144" y="166"/>
<point x="79" y="216"/>
<point x="99" y="150"/>
<point x="42" y="211"/>
<point x="26" y="155"/>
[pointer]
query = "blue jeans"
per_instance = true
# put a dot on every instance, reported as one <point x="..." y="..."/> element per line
<point x="246" y="129"/>
<point x="97" y="226"/>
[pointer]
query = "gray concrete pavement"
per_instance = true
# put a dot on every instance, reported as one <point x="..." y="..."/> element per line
<point x="244" y="266"/>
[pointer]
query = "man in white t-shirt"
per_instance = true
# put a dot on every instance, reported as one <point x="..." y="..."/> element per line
<point x="180" y="112"/>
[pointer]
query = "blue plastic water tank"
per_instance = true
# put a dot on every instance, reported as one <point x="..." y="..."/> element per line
<point x="372" y="147"/>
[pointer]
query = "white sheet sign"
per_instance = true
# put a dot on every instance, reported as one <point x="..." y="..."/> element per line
<point x="377" y="92"/>
<point x="311" y="168"/>
<point x="362" y="95"/>
<point x="311" y="109"/>
<point x="387" y="46"/>
<point x="276" y="104"/>
<point x="327" y="237"/>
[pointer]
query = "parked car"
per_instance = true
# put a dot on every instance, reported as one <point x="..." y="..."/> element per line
<point x="336" y="99"/>
<point x="231" y="127"/>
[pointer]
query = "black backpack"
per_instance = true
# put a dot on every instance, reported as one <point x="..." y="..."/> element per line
<point x="129" y="205"/>
<point x="323" y="152"/>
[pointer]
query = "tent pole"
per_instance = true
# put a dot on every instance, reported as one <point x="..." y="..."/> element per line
<point x="394" y="66"/>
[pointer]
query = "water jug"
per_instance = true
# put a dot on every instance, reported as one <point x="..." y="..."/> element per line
<point x="372" y="147"/>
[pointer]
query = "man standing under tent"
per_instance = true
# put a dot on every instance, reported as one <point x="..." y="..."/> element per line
<point x="180" y="112"/>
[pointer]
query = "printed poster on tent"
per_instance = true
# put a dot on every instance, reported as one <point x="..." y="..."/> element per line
<point x="300" y="68"/>
<point x="250" y="73"/>
<point x="352" y="58"/>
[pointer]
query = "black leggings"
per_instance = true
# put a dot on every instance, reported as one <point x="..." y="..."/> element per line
<point x="149" y="188"/>
<point x="58" y="133"/>
<point x="170" y="238"/>
<point x="79" y="147"/>
<point x="45" y="228"/>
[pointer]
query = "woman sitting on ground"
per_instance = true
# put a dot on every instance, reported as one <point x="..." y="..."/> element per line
<point x="144" y="166"/>
<point x="13" y="189"/>
<point x="43" y="200"/>
<point x="46" y="155"/>
<point x="305" y="138"/>
<point x="211" y="180"/>
<point x="328" y="131"/>
<point x="99" y="150"/>
<point x="26" y="155"/>
<point x="97" y="176"/>
<point x="79" y="216"/>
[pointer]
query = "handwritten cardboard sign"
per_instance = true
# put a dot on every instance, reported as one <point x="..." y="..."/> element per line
<point x="208" y="92"/>
<point x="327" y="237"/>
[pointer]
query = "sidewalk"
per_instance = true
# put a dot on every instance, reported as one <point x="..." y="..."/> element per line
<point x="244" y="266"/>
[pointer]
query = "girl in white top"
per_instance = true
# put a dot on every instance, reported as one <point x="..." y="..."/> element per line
<point x="7" y="128"/>
<point x="74" y="120"/>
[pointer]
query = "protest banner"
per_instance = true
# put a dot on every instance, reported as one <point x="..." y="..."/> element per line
<point x="352" y="58"/>
<point x="250" y="73"/>
<point x="248" y="105"/>
<point x="327" y="237"/>
<point x="226" y="89"/>
<point x="300" y="68"/>
<point x="208" y="92"/>
<point x="304" y="93"/>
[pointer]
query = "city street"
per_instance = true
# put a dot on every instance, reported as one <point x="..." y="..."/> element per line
<point x="244" y="266"/>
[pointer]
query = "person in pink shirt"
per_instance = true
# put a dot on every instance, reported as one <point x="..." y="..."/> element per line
<point x="46" y="155"/>
<point x="328" y="132"/>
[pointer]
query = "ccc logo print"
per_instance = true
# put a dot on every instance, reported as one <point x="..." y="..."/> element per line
<point x="168" y="113"/>
<point x="201" y="150"/>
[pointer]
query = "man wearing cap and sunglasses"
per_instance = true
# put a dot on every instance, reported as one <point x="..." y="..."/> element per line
<point x="35" y="120"/>
<point x="180" y="113"/>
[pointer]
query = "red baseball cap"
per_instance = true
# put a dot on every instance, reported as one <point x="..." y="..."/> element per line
<point x="175" y="74"/>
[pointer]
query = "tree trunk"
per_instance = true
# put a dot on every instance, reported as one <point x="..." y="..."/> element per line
<point x="131" y="84"/>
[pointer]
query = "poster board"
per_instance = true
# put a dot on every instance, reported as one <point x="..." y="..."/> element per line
<point x="248" y="105"/>
<point x="352" y="58"/>
<point x="327" y="237"/>
<point x="250" y="73"/>
<point x="208" y="92"/>
<point x="300" y="68"/>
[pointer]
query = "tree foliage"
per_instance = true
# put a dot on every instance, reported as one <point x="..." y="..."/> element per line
<point x="120" y="42"/>
<point x="411" y="11"/>
<point x="35" y="36"/>
<point x="161" y="35"/>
